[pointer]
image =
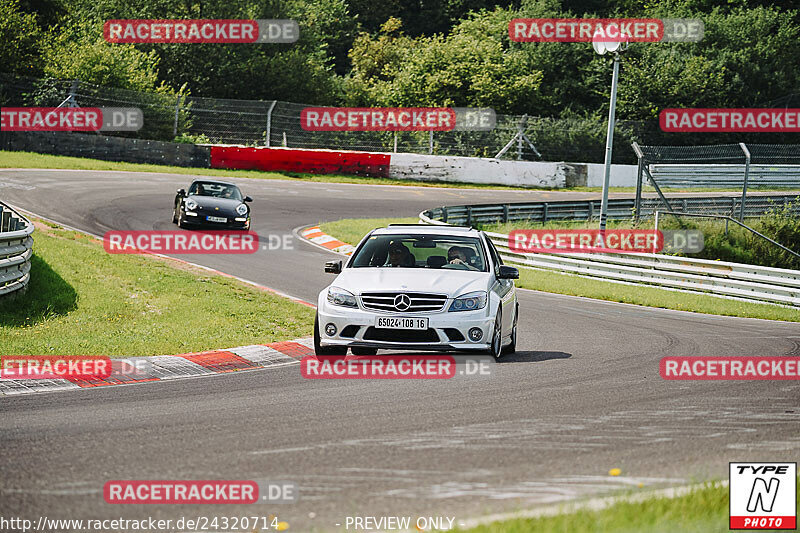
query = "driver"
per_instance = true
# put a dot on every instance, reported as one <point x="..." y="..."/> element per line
<point x="456" y="256"/>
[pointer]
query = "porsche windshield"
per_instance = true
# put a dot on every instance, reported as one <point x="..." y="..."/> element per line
<point x="421" y="251"/>
<point x="217" y="190"/>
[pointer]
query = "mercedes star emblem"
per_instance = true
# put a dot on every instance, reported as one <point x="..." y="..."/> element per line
<point x="402" y="302"/>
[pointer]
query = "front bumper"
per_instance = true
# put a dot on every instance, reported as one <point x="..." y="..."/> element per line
<point x="200" y="221"/>
<point x="356" y="327"/>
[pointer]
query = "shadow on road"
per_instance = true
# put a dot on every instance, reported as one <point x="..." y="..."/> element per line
<point x="533" y="357"/>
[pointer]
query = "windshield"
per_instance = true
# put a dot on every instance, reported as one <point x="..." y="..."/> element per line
<point x="217" y="190"/>
<point x="421" y="251"/>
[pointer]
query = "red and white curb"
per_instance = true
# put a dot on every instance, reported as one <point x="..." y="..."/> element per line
<point x="318" y="237"/>
<point x="166" y="367"/>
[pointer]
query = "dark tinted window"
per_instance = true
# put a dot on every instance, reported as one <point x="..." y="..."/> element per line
<point x="217" y="190"/>
<point x="421" y="251"/>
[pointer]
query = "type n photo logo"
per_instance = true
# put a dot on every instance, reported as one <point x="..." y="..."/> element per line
<point x="763" y="495"/>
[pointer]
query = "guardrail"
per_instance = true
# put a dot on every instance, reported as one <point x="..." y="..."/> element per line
<point x="618" y="208"/>
<point x="720" y="175"/>
<point x="731" y="280"/>
<point x="16" y="248"/>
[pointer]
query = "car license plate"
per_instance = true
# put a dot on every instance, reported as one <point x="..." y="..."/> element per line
<point x="216" y="219"/>
<point x="390" y="322"/>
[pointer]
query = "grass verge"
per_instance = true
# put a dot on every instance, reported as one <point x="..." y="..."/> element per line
<point x="84" y="301"/>
<point x="352" y="230"/>
<point x="724" y="241"/>
<point x="34" y="160"/>
<point x="703" y="510"/>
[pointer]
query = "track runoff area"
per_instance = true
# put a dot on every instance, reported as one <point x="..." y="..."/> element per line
<point x="594" y="404"/>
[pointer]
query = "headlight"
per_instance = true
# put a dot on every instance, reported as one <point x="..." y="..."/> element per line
<point x="190" y="205"/>
<point x="338" y="296"/>
<point x="242" y="209"/>
<point x="469" y="302"/>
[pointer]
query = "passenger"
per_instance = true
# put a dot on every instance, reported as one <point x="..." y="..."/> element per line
<point x="399" y="256"/>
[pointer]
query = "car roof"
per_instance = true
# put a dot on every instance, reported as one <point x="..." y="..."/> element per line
<point x="426" y="229"/>
<point x="204" y="180"/>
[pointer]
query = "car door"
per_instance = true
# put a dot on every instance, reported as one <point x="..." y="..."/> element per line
<point x="504" y="288"/>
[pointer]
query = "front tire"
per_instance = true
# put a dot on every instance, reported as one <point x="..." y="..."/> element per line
<point x="181" y="220"/>
<point x="496" y="348"/>
<point x="325" y="350"/>
<point x="512" y="347"/>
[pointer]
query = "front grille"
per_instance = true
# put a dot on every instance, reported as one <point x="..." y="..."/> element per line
<point x="420" y="301"/>
<point x="401" y="335"/>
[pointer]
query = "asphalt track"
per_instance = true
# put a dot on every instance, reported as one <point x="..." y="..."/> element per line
<point x="582" y="395"/>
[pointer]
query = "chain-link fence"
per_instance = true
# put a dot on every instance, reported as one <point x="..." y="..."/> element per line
<point x="169" y="116"/>
<point x="721" y="165"/>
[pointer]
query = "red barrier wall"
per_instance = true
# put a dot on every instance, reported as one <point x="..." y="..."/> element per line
<point x="296" y="160"/>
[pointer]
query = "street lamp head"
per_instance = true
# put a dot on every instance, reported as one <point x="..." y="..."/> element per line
<point x="602" y="46"/>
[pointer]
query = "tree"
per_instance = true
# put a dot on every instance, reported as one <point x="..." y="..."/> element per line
<point x="20" y="40"/>
<point x="473" y="66"/>
<point x="78" y="51"/>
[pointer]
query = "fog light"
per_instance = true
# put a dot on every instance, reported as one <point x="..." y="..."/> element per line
<point x="330" y="330"/>
<point x="475" y="334"/>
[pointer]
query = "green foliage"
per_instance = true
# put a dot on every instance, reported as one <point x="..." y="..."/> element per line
<point x="438" y="52"/>
<point x="746" y="58"/>
<point x="188" y="138"/>
<point x="739" y="245"/>
<point x="472" y="66"/>
<point x="20" y="40"/>
<point x="78" y="51"/>
<point x="421" y="18"/>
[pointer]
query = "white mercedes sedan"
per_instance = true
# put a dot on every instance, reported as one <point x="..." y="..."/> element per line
<point x="423" y="288"/>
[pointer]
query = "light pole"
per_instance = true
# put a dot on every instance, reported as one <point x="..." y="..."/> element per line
<point x="601" y="47"/>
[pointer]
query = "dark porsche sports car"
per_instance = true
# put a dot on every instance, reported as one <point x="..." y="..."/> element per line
<point x="212" y="204"/>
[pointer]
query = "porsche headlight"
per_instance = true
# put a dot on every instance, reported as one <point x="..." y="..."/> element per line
<point x="469" y="302"/>
<point x="338" y="296"/>
<point x="241" y="209"/>
<point x="190" y="205"/>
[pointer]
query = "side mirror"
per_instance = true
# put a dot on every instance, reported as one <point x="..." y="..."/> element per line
<point x="507" y="272"/>
<point x="181" y="192"/>
<point x="333" y="267"/>
<point x="247" y="199"/>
